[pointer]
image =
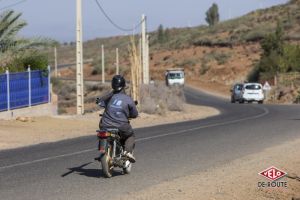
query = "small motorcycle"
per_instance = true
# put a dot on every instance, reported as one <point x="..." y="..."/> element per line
<point x="112" y="152"/>
<point x="111" y="148"/>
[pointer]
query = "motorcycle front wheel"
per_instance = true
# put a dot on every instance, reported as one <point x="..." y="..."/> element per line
<point x="107" y="165"/>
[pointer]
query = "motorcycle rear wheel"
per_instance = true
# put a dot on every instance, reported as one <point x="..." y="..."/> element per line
<point x="106" y="162"/>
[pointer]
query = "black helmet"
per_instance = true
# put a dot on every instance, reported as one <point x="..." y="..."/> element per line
<point x="118" y="83"/>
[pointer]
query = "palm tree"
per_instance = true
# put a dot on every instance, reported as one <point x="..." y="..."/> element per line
<point x="11" y="45"/>
<point x="10" y="25"/>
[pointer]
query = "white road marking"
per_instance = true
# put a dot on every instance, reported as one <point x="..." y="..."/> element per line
<point x="45" y="159"/>
<point x="266" y="111"/>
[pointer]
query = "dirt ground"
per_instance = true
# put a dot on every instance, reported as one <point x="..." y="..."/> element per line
<point x="235" y="180"/>
<point x="49" y="129"/>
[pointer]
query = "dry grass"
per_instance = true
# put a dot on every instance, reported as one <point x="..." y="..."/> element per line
<point x="158" y="98"/>
<point x="136" y="71"/>
<point x="66" y="92"/>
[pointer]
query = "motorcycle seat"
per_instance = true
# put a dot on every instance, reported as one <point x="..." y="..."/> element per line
<point x="112" y="130"/>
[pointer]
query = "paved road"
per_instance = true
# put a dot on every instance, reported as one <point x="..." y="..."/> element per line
<point x="66" y="170"/>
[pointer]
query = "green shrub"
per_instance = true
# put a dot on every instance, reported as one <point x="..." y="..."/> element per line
<point x="254" y="36"/>
<point x="290" y="60"/>
<point x="277" y="56"/>
<point x="212" y="42"/>
<point x="32" y="59"/>
<point x="204" y="67"/>
<point x="36" y="61"/>
<point x="221" y="58"/>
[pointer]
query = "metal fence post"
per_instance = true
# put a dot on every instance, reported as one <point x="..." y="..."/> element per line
<point x="29" y="86"/>
<point x="49" y="85"/>
<point x="8" y="90"/>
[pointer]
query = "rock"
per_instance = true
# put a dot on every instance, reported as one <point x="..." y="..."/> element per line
<point x="24" y="119"/>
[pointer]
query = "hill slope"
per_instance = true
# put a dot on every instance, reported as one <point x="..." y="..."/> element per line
<point x="212" y="57"/>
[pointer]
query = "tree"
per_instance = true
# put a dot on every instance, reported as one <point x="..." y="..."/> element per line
<point x="167" y="34"/>
<point x="273" y="42"/>
<point x="273" y="52"/>
<point x="10" y="25"/>
<point x="160" y="34"/>
<point x="13" y="47"/>
<point x="212" y="15"/>
<point x="277" y="55"/>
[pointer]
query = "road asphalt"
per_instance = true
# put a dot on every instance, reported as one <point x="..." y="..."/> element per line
<point x="66" y="169"/>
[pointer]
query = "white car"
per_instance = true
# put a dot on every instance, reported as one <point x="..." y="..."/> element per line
<point x="252" y="92"/>
<point x="175" y="77"/>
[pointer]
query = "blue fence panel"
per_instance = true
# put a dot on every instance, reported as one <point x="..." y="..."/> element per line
<point x="39" y="87"/>
<point x="3" y="92"/>
<point x="19" y="90"/>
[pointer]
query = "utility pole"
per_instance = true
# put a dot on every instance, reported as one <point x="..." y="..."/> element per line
<point x="144" y="51"/>
<point x="140" y="68"/>
<point x="79" y="59"/>
<point x="55" y="61"/>
<point x="103" y="64"/>
<point x="147" y="60"/>
<point x="117" y="61"/>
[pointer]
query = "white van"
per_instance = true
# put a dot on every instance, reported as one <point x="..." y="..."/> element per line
<point x="174" y="77"/>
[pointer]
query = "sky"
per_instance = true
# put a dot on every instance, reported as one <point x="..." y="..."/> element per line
<point x="56" y="19"/>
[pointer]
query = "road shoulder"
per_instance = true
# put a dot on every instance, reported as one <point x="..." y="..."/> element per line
<point x="235" y="180"/>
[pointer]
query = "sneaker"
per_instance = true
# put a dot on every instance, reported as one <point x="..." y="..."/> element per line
<point x="127" y="164"/>
<point x="130" y="157"/>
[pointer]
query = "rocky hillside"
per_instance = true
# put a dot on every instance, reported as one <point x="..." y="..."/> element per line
<point x="213" y="57"/>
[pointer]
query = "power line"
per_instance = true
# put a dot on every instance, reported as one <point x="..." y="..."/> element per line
<point x="12" y="5"/>
<point x="115" y="24"/>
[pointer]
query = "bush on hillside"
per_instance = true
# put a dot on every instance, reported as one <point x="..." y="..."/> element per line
<point x="207" y="42"/>
<point x="277" y="56"/>
<point x="254" y="36"/>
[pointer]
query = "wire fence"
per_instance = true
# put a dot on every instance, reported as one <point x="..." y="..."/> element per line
<point x="24" y="89"/>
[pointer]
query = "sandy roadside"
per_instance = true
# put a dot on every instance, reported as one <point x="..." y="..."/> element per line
<point x="235" y="180"/>
<point x="15" y="134"/>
